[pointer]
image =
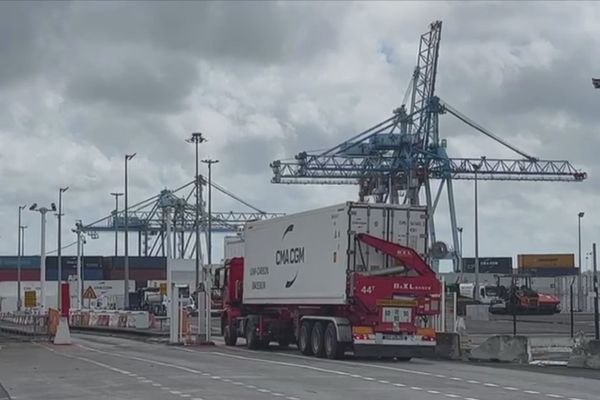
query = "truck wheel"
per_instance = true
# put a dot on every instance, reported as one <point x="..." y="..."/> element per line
<point x="230" y="335"/>
<point x="252" y="341"/>
<point x="333" y="349"/>
<point x="304" y="344"/>
<point x="317" y="338"/>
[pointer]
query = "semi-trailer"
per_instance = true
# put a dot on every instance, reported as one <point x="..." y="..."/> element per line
<point x="346" y="277"/>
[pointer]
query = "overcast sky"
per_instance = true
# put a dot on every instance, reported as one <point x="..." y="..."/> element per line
<point x="84" y="83"/>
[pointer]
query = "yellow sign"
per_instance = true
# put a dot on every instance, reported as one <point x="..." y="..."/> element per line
<point x="396" y="303"/>
<point x="163" y="288"/>
<point x="89" y="293"/>
<point x="30" y="298"/>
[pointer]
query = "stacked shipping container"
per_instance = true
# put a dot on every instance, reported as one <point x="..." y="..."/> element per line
<point x="141" y="269"/>
<point x="547" y="265"/>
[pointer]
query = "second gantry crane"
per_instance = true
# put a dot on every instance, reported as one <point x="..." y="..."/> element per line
<point x="398" y="158"/>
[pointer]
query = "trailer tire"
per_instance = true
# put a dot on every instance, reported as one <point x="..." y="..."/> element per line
<point x="252" y="341"/>
<point x="304" y="344"/>
<point x="229" y="335"/>
<point x="317" y="339"/>
<point x="334" y="350"/>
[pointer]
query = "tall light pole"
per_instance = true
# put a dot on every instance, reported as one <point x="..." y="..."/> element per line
<point x="43" y="211"/>
<point x="115" y="220"/>
<point x="209" y="162"/>
<point x="476" y="168"/>
<point x="579" y="280"/>
<point x="23" y="227"/>
<point x="59" y="254"/>
<point x="19" y="260"/>
<point x="462" y="267"/>
<point x="128" y="157"/>
<point x="197" y="139"/>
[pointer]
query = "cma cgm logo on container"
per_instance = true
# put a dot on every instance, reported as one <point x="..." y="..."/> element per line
<point x="288" y="256"/>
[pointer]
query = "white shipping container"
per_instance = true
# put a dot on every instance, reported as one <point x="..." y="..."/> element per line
<point x="233" y="247"/>
<point x="304" y="258"/>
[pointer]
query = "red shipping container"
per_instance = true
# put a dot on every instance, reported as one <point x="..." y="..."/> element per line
<point x="11" y="275"/>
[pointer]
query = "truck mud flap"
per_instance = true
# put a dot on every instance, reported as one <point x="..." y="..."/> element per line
<point x="386" y="351"/>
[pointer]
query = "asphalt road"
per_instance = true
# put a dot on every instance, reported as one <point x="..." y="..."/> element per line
<point x="114" y="368"/>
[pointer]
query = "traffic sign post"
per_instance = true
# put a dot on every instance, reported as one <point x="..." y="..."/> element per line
<point x="90" y="294"/>
<point x="30" y="298"/>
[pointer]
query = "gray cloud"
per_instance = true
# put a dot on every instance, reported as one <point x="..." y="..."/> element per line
<point x="84" y="83"/>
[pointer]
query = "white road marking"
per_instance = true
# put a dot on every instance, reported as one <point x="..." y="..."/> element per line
<point x="433" y="392"/>
<point x="470" y="398"/>
<point x="474" y="382"/>
<point x="174" y="392"/>
<point x="264" y="390"/>
<point x="146" y="381"/>
<point x="531" y="392"/>
<point x="185" y="395"/>
<point x="510" y="388"/>
<point x="554" y="396"/>
<point x="355" y="376"/>
<point x="366" y="378"/>
<point x="238" y="383"/>
<point x="451" y="395"/>
<point x="292" y="398"/>
<point x="277" y="394"/>
<point x="439" y="376"/>
<point x="416" y="388"/>
<point x="456" y="379"/>
<point x="384" y="382"/>
<point x="490" y="385"/>
<point x="399" y="385"/>
<point x="165" y="388"/>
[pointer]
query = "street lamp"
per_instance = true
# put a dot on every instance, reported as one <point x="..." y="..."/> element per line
<point x="19" y="260"/>
<point x="462" y="267"/>
<point x="128" y="157"/>
<point x="43" y="211"/>
<point x="115" y="220"/>
<point x="579" y="280"/>
<point x="476" y="168"/>
<point x="59" y="256"/>
<point x="197" y="139"/>
<point x="80" y="242"/>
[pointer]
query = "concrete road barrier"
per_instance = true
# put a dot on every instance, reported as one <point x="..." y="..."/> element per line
<point x="502" y="348"/>
<point x="448" y="346"/>
<point x="586" y="354"/>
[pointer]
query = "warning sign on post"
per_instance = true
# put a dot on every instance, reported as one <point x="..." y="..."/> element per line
<point x="90" y="294"/>
<point x="163" y="288"/>
<point x="30" y="298"/>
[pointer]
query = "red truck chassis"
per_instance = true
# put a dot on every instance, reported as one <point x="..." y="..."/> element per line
<point x="386" y="314"/>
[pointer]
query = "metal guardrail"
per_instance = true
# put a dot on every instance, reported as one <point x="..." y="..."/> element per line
<point x="25" y="324"/>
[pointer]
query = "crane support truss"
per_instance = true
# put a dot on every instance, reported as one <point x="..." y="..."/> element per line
<point x="148" y="219"/>
<point x="348" y="170"/>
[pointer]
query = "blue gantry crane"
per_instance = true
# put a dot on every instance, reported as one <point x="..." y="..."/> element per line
<point x="398" y="158"/>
